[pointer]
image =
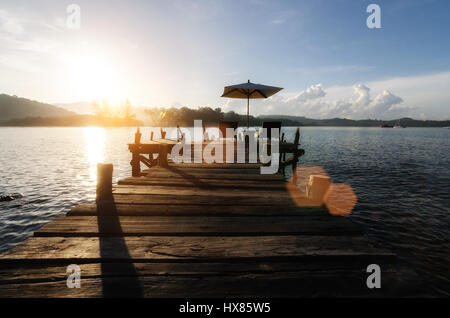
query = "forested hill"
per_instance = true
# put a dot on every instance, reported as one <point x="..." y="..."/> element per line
<point x="185" y="117"/>
<point x="13" y="107"/>
<point x="344" y="122"/>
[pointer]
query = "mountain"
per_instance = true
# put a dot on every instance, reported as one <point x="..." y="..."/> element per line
<point x="344" y="122"/>
<point x="12" y="107"/>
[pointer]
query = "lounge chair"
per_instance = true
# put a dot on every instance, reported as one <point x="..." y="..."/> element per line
<point x="223" y="125"/>
<point x="269" y="125"/>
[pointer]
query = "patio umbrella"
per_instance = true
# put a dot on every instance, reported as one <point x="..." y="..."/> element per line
<point x="249" y="91"/>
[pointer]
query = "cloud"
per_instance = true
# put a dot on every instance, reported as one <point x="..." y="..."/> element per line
<point x="312" y="103"/>
<point x="384" y="102"/>
<point x="280" y="17"/>
<point x="313" y="92"/>
<point x="278" y="21"/>
<point x="427" y="94"/>
<point x="26" y="43"/>
<point x="276" y="102"/>
<point x="363" y="93"/>
<point x="422" y="97"/>
<point x="359" y="106"/>
<point x="9" y="24"/>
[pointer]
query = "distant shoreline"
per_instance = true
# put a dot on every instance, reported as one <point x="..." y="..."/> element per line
<point x="152" y="126"/>
<point x="21" y="112"/>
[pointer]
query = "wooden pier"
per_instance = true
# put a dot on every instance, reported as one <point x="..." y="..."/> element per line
<point x="200" y="230"/>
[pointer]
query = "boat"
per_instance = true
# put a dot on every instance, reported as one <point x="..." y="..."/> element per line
<point x="386" y="126"/>
<point x="399" y="125"/>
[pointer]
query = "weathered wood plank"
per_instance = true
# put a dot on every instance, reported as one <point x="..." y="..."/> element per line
<point x="205" y="183"/>
<point x="203" y="280"/>
<point x="44" y="273"/>
<point x="199" y="226"/>
<point x="197" y="200"/>
<point x="195" y="210"/>
<point x="208" y="198"/>
<point x="219" y="174"/>
<point x="174" y="168"/>
<point x="190" y="177"/>
<point x="194" y="249"/>
<point x="280" y="193"/>
<point x="246" y="166"/>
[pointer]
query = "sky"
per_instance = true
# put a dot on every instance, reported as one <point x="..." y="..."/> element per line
<point x="183" y="52"/>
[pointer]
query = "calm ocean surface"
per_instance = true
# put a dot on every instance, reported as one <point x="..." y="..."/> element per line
<point x="401" y="178"/>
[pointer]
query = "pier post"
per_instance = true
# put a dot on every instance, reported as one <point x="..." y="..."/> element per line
<point x="135" y="164"/>
<point x="162" y="157"/>
<point x="282" y="157"/>
<point x="317" y="187"/>
<point x="104" y="182"/>
<point x="137" y="136"/>
<point x="296" y="154"/>
<point x="247" y="147"/>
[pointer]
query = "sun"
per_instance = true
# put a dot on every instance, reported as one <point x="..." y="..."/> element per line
<point x="94" y="78"/>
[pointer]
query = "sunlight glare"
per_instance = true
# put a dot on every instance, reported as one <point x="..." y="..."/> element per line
<point x="95" y="149"/>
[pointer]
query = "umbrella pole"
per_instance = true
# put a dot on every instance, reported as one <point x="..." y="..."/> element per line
<point x="248" y="106"/>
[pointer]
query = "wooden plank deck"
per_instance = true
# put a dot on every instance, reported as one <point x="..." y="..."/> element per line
<point x="200" y="231"/>
<point x="88" y="226"/>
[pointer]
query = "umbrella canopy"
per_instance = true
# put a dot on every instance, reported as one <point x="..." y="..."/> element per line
<point x="249" y="91"/>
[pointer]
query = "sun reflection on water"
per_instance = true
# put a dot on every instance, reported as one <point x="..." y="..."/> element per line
<point x="95" y="149"/>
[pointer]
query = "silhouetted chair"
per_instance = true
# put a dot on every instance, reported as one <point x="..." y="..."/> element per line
<point x="223" y="125"/>
<point x="269" y="125"/>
